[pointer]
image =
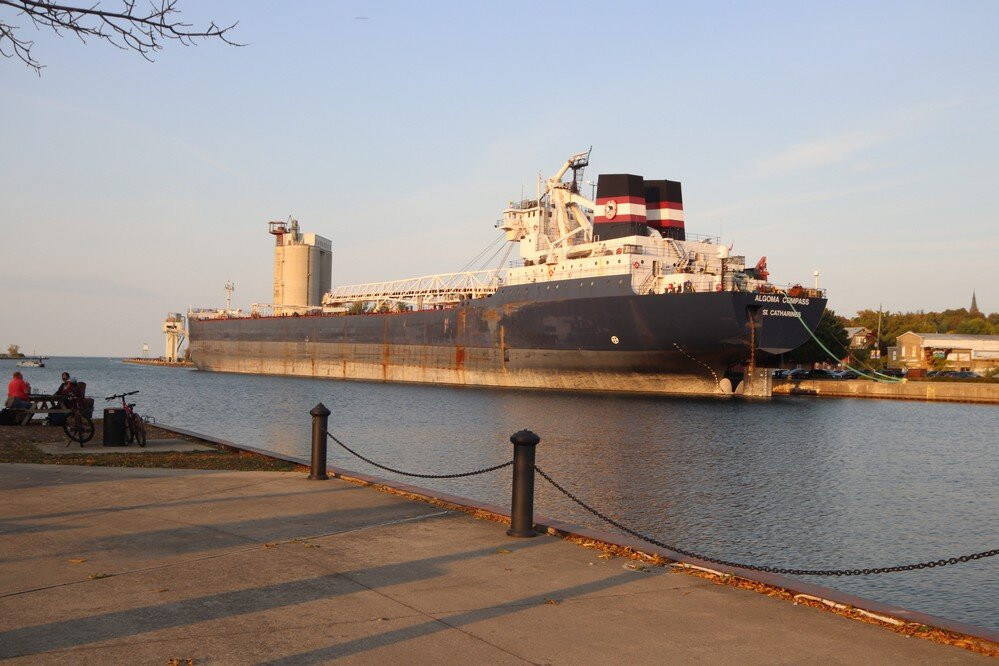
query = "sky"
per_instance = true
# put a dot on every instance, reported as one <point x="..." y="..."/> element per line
<point x="857" y="139"/>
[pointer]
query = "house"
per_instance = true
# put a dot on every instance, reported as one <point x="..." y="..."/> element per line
<point x="860" y="337"/>
<point x="977" y="353"/>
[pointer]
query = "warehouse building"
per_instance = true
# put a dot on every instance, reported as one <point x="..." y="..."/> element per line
<point x="978" y="353"/>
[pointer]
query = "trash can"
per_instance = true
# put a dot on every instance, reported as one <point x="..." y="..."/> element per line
<point x="114" y="427"/>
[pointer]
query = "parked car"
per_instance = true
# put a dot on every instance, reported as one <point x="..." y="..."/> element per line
<point x="799" y="373"/>
<point x="780" y="373"/>
<point x="823" y="374"/>
<point x="959" y="374"/>
<point x="847" y="374"/>
<point x="892" y="372"/>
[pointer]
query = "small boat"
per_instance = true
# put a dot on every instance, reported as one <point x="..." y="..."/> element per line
<point x="32" y="363"/>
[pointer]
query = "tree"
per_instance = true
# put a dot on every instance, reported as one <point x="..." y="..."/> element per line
<point x="141" y="29"/>
<point x="973" y="327"/>
<point x="830" y="333"/>
<point x="14" y="351"/>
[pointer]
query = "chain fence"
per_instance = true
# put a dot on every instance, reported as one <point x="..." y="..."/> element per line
<point x="677" y="549"/>
<point x="417" y="475"/>
<point x="755" y="567"/>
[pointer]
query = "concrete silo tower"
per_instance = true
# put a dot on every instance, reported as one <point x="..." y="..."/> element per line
<point x="303" y="268"/>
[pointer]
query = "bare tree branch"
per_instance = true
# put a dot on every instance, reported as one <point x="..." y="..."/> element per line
<point x="143" y="30"/>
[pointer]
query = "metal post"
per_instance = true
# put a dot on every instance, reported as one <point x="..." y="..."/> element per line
<point x="522" y="502"/>
<point x="320" y="420"/>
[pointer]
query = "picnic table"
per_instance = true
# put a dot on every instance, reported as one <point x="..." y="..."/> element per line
<point x="43" y="403"/>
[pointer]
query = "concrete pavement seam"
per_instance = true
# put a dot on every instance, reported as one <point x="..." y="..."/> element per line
<point x="247" y="549"/>
<point x="435" y="619"/>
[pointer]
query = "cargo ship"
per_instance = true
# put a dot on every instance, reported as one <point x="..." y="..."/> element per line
<point x="608" y="294"/>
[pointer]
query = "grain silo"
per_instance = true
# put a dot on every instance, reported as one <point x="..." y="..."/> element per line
<point x="303" y="267"/>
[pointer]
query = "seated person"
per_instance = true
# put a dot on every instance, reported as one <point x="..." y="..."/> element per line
<point x="64" y="387"/>
<point x="18" y="391"/>
<point x="74" y="391"/>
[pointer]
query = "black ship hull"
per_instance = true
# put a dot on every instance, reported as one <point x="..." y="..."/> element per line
<point x="593" y="335"/>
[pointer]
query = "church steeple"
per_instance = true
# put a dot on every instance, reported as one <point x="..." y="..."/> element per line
<point x="974" y="304"/>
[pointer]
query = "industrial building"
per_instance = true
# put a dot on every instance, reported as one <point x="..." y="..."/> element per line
<point x="303" y="268"/>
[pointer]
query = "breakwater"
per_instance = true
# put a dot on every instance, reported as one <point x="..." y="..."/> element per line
<point x="158" y="361"/>
<point x="974" y="392"/>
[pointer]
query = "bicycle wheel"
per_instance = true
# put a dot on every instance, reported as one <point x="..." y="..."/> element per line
<point x="139" y="429"/>
<point x="78" y="428"/>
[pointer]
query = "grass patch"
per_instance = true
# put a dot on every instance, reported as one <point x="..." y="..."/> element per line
<point x="17" y="445"/>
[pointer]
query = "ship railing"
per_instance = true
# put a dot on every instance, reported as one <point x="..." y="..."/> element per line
<point x="423" y="291"/>
<point x="523" y="204"/>
<point x="794" y="290"/>
<point x="562" y="272"/>
<point x="703" y="238"/>
<point x="214" y="313"/>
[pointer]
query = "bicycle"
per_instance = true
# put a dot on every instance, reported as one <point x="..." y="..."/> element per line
<point x="77" y="426"/>
<point x="133" y="422"/>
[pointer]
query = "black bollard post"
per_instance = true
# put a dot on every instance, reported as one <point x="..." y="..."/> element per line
<point x="522" y="502"/>
<point x="320" y="421"/>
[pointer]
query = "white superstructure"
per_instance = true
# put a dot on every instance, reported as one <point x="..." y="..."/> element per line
<point x="173" y="327"/>
<point x="559" y="238"/>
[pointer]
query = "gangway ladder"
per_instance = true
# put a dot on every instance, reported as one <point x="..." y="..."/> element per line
<point x="683" y="257"/>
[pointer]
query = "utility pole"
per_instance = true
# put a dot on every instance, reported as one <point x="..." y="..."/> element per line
<point x="877" y="340"/>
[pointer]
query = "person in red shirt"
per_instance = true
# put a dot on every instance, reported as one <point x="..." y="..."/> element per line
<point x="17" y="392"/>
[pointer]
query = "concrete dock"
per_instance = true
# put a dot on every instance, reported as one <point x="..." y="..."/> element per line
<point x="929" y="391"/>
<point x="131" y="565"/>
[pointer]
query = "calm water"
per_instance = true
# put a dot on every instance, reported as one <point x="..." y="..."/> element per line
<point x="799" y="482"/>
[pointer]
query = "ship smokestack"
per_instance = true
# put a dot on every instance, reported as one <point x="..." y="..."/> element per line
<point x="664" y="208"/>
<point x="620" y="207"/>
